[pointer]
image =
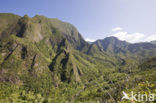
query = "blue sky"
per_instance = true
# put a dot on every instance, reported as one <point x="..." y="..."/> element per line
<point x="131" y="20"/>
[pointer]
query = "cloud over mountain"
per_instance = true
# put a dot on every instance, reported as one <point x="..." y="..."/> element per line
<point x="134" y="37"/>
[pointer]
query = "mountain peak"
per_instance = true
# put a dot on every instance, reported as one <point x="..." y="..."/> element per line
<point x="111" y="44"/>
<point x="112" y="38"/>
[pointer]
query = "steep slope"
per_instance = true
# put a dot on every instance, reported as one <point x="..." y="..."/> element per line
<point x="42" y="46"/>
<point x="19" y="59"/>
<point x="7" y="23"/>
<point x="70" y="33"/>
<point x="41" y="28"/>
<point x="112" y="45"/>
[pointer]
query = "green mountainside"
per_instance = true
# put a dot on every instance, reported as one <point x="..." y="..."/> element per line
<point x="113" y="45"/>
<point x="44" y="60"/>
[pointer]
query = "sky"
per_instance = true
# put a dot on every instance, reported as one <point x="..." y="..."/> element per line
<point x="130" y="20"/>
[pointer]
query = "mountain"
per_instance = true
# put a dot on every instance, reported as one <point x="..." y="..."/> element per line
<point x="113" y="45"/>
<point x="41" y="29"/>
<point x="153" y="42"/>
<point x="47" y="60"/>
<point x="42" y="51"/>
<point x="40" y="42"/>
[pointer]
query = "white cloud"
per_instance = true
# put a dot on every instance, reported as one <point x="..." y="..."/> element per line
<point x="117" y="29"/>
<point x="129" y="37"/>
<point x="134" y="37"/>
<point x="151" y="38"/>
<point x="90" y="40"/>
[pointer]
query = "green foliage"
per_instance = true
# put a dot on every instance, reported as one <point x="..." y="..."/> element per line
<point x="46" y="60"/>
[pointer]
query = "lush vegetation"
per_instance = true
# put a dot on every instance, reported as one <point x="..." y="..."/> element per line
<point x="46" y="60"/>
